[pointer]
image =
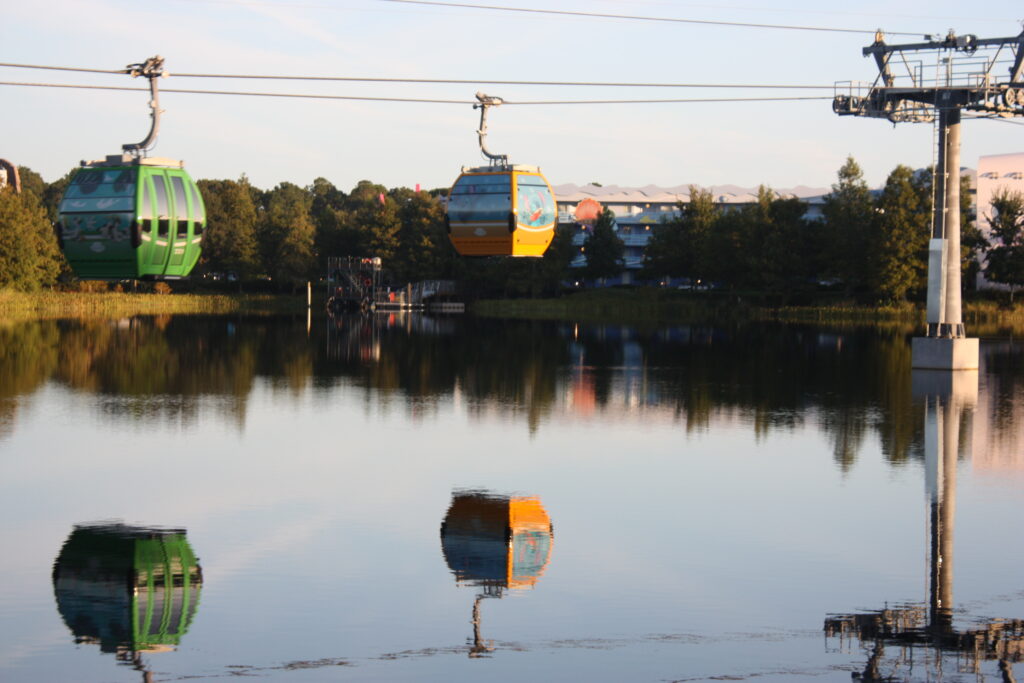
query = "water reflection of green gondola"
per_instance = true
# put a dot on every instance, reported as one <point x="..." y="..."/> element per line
<point x="127" y="589"/>
<point x="494" y="543"/>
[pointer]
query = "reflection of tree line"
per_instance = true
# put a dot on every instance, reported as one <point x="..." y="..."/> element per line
<point x="158" y="368"/>
<point x="28" y="357"/>
<point x="514" y="367"/>
<point x="1005" y="370"/>
<point x="777" y="376"/>
<point x="853" y="383"/>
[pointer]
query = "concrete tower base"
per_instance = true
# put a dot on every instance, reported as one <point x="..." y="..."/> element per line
<point x="933" y="353"/>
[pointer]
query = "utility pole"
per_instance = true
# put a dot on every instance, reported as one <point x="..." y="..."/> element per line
<point x="941" y="82"/>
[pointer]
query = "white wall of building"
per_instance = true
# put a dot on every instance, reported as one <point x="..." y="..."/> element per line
<point x="997" y="172"/>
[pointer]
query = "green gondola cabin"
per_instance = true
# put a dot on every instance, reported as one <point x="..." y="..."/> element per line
<point x="127" y="218"/>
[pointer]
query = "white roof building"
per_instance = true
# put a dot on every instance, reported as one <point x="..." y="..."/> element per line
<point x="996" y="173"/>
<point x="626" y="201"/>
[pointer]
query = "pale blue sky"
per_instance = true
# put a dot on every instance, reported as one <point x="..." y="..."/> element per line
<point x="272" y="140"/>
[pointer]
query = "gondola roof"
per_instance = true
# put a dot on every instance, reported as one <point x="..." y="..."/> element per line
<point x="130" y="160"/>
<point x="518" y="168"/>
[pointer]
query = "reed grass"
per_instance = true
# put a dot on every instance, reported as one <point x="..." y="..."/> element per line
<point x="61" y="304"/>
<point x="982" y="318"/>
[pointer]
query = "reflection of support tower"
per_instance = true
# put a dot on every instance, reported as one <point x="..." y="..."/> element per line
<point x="967" y="79"/>
<point x="949" y="398"/>
<point x="494" y="543"/>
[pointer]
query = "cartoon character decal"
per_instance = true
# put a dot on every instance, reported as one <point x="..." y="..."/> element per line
<point x="113" y="227"/>
<point x="535" y="207"/>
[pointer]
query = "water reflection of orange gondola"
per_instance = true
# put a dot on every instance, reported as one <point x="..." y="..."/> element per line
<point x="494" y="543"/>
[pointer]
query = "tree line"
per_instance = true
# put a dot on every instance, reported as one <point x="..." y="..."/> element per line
<point x="871" y="244"/>
<point x="285" y="235"/>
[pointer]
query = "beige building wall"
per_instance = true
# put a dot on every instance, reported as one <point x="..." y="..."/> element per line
<point x="995" y="173"/>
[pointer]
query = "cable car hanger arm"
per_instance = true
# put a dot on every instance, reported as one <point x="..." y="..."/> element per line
<point x="152" y="69"/>
<point x="485" y="102"/>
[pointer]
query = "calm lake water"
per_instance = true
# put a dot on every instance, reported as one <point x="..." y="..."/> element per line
<point x="416" y="498"/>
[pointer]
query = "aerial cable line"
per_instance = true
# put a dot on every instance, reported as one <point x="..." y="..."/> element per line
<point x="450" y="81"/>
<point x="631" y="17"/>
<point x="244" y="93"/>
<point x="668" y="101"/>
<point x="410" y="99"/>
<point x="486" y="81"/>
<point x="120" y="72"/>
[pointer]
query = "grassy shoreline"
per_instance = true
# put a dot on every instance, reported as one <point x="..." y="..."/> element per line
<point x="59" y="304"/>
<point x="652" y="306"/>
<point x="615" y="306"/>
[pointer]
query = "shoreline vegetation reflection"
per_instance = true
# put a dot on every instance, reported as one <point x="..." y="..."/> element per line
<point x="851" y="384"/>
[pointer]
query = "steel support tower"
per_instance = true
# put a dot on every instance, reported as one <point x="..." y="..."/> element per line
<point x="941" y="82"/>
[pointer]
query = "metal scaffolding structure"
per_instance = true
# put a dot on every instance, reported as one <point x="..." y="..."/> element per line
<point x="941" y="82"/>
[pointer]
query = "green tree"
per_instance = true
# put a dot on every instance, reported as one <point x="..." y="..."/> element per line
<point x="333" y="236"/>
<point x="677" y="248"/>
<point x="721" y="254"/>
<point x="286" y="234"/>
<point x="753" y="227"/>
<point x="668" y="253"/>
<point x="229" y="243"/>
<point x="31" y="181"/>
<point x="54" y="192"/>
<point x="787" y="265"/>
<point x="1005" y="260"/>
<point x="29" y="256"/>
<point x="849" y="216"/>
<point x="556" y="260"/>
<point x="423" y="251"/>
<point x="372" y="217"/>
<point x="603" y="248"/>
<point x="899" y="250"/>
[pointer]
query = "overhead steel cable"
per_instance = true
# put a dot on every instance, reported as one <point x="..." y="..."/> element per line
<point x="407" y="99"/>
<point x="683" y="100"/>
<point x="633" y="17"/>
<point x="487" y="81"/>
<point x="120" y="72"/>
<point x="242" y="93"/>
<point x="450" y="81"/>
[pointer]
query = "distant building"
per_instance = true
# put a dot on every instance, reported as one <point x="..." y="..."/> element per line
<point x="9" y="175"/>
<point x="637" y="210"/>
<point x="996" y="173"/>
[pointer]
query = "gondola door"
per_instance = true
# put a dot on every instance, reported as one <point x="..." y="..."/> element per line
<point x="181" y="231"/>
<point x="162" y="238"/>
